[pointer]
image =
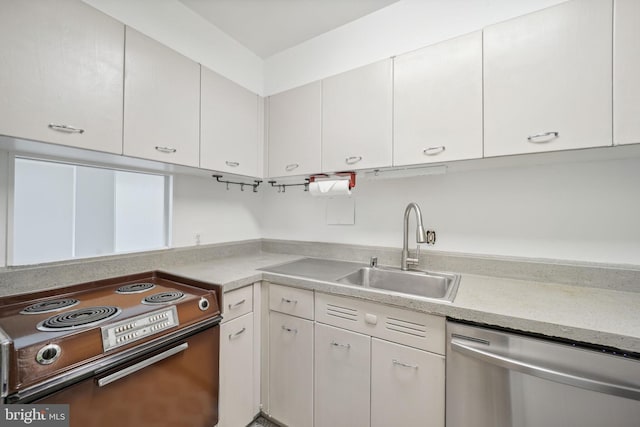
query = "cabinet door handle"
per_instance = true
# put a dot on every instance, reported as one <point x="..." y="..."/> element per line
<point x="232" y="164"/>
<point x="289" y="301"/>
<point x="543" y="137"/>
<point x="337" y="344"/>
<point x="352" y="160"/>
<point x="293" y="330"/>
<point x="433" y="151"/>
<point x="166" y="149"/>
<point x="404" y="365"/>
<point x="291" y="167"/>
<point x="231" y="306"/>
<point x="237" y="334"/>
<point x="65" y="128"/>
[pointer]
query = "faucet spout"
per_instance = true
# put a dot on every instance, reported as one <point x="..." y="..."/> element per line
<point x="421" y="235"/>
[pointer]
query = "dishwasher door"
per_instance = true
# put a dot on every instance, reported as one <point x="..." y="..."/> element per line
<point x="499" y="379"/>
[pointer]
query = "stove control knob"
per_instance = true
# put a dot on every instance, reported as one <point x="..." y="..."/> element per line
<point x="203" y="304"/>
<point x="48" y="354"/>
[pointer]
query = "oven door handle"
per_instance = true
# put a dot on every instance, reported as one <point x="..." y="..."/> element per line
<point x="141" y="365"/>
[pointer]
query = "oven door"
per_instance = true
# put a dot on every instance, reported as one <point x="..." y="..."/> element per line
<point x="175" y="385"/>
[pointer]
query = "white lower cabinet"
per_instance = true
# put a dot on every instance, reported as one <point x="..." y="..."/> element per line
<point x="407" y="386"/>
<point x="236" y="406"/>
<point x="343" y="362"/>
<point x="291" y="370"/>
<point x="239" y="357"/>
<point x="342" y="378"/>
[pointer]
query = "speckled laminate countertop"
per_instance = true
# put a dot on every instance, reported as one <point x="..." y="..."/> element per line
<point x="599" y="316"/>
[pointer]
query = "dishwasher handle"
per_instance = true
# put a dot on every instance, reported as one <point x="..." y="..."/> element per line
<point x="141" y="365"/>
<point x="550" y="374"/>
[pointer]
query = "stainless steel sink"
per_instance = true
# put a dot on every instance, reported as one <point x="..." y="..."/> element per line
<point x="435" y="286"/>
<point x="440" y="286"/>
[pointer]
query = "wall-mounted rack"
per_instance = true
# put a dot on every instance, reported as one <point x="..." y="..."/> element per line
<point x="256" y="183"/>
<point x="282" y="187"/>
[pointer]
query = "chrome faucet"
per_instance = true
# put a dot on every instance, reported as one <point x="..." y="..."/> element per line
<point x="421" y="237"/>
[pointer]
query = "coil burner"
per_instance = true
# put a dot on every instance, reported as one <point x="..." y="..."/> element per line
<point x="80" y="318"/>
<point x="49" y="306"/>
<point x="163" y="297"/>
<point x="135" y="288"/>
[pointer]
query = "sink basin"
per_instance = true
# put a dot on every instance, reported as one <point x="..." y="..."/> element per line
<point x="440" y="286"/>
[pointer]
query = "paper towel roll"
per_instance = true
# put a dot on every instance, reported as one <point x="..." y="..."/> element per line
<point x="329" y="188"/>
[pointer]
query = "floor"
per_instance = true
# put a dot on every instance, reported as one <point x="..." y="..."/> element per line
<point x="262" y="422"/>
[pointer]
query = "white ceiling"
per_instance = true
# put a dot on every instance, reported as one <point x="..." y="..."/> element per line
<point x="267" y="27"/>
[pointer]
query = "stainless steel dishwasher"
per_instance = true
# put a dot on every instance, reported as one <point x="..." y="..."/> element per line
<point x="503" y="379"/>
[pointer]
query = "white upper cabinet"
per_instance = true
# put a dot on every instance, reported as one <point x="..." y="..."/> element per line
<point x="547" y="78"/>
<point x="626" y="72"/>
<point x="229" y="126"/>
<point x="295" y="130"/>
<point x="356" y="118"/>
<point x="161" y="102"/>
<point x="438" y="102"/>
<point x="61" y="74"/>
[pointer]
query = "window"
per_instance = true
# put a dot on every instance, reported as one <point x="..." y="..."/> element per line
<point x="66" y="211"/>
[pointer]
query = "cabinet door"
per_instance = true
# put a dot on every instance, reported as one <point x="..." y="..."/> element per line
<point x="547" y="79"/>
<point x="61" y="74"/>
<point x="356" y="118"/>
<point x="236" y="406"/>
<point x="291" y="370"/>
<point x="294" y="131"/>
<point x="407" y="386"/>
<point x="342" y="378"/>
<point x="438" y="102"/>
<point x="161" y="102"/>
<point x="626" y="72"/>
<point x="229" y="126"/>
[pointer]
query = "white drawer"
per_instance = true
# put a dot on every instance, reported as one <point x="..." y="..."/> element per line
<point x="419" y="330"/>
<point x="237" y="303"/>
<point x="293" y="301"/>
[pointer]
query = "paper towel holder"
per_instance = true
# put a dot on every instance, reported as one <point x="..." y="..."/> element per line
<point x="351" y="176"/>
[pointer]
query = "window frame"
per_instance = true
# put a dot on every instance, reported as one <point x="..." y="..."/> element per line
<point x="6" y="250"/>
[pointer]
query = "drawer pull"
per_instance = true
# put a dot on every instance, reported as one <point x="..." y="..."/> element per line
<point x="337" y="344"/>
<point x="291" y="167"/>
<point x="404" y="365"/>
<point x="293" y="330"/>
<point x="352" y="160"/>
<point x="232" y="164"/>
<point x="65" y="128"/>
<point x="433" y="151"/>
<point x="548" y="136"/>
<point x="239" y="303"/>
<point x="168" y="150"/>
<point x="289" y="301"/>
<point x="237" y="334"/>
